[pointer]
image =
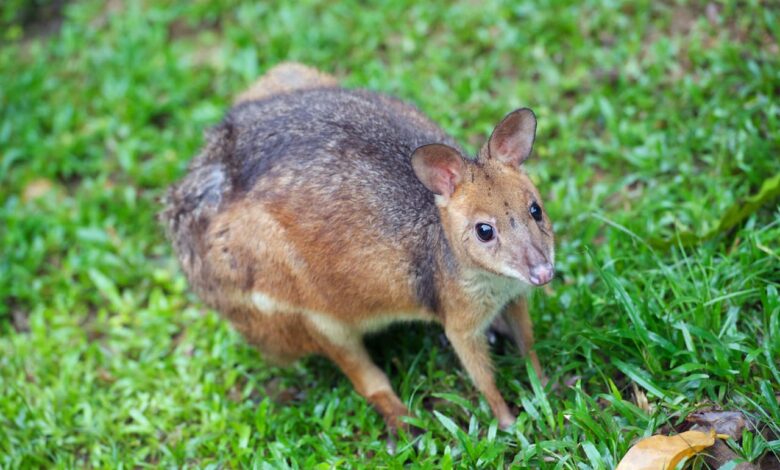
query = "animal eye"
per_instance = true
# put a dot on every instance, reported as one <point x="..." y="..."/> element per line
<point x="485" y="232"/>
<point x="536" y="212"/>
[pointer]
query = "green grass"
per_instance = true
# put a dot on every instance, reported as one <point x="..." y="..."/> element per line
<point x="654" y="119"/>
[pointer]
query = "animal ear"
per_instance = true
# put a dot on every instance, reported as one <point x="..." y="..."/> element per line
<point x="513" y="138"/>
<point x="439" y="167"/>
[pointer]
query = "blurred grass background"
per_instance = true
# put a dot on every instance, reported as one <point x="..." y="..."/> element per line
<point x="654" y="119"/>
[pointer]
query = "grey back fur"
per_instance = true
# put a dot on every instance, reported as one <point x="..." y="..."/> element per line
<point x="343" y="151"/>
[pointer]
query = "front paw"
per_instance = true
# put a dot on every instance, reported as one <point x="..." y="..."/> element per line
<point x="505" y="422"/>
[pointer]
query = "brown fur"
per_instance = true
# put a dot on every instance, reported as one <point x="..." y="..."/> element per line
<point x="284" y="78"/>
<point x="315" y="215"/>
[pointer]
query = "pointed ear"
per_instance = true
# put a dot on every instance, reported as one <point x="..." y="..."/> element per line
<point x="513" y="138"/>
<point x="439" y="167"/>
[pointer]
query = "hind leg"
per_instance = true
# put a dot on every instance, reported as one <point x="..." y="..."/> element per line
<point x="281" y="338"/>
<point x="285" y="337"/>
<point x="352" y="358"/>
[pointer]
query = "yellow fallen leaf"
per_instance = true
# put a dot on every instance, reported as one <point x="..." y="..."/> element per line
<point x="665" y="452"/>
<point x="36" y="188"/>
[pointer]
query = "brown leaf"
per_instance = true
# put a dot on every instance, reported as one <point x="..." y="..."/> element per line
<point x="641" y="398"/>
<point x="722" y="422"/>
<point x="725" y="423"/>
<point x="770" y="461"/>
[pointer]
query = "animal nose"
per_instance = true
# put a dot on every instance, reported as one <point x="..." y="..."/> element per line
<point x="542" y="274"/>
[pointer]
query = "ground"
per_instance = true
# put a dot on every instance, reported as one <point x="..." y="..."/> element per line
<point x="655" y="120"/>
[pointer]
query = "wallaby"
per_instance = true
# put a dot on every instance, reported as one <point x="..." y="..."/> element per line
<point x="316" y="214"/>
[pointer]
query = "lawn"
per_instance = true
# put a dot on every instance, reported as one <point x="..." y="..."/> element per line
<point x="655" y="119"/>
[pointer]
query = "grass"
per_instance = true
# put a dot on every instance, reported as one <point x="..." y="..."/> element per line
<point x="655" y="118"/>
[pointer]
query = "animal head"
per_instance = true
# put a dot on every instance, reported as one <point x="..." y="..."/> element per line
<point x="491" y="211"/>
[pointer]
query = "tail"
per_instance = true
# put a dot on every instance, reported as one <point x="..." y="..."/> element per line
<point x="284" y="78"/>
<point x="190" y="204"/>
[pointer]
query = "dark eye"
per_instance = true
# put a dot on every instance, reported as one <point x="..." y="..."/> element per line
<point x="485" y="232"/>
<point x="536" y="212"/>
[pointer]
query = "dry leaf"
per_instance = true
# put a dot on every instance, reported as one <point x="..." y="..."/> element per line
<point x="641" y="399"/>
<point x="665" y="452"/>
<point x="36" y="189"/>
<point x="723" y="422"/>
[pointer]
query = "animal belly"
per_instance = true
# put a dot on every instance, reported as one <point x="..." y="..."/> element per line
<point x="341" y="327"/>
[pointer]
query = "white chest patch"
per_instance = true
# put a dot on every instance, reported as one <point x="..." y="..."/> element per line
<point x="493" y="292"/>
<point x="328" y="326"/>
<point x="267" y="304"/>
<point x="338" y="331"/>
